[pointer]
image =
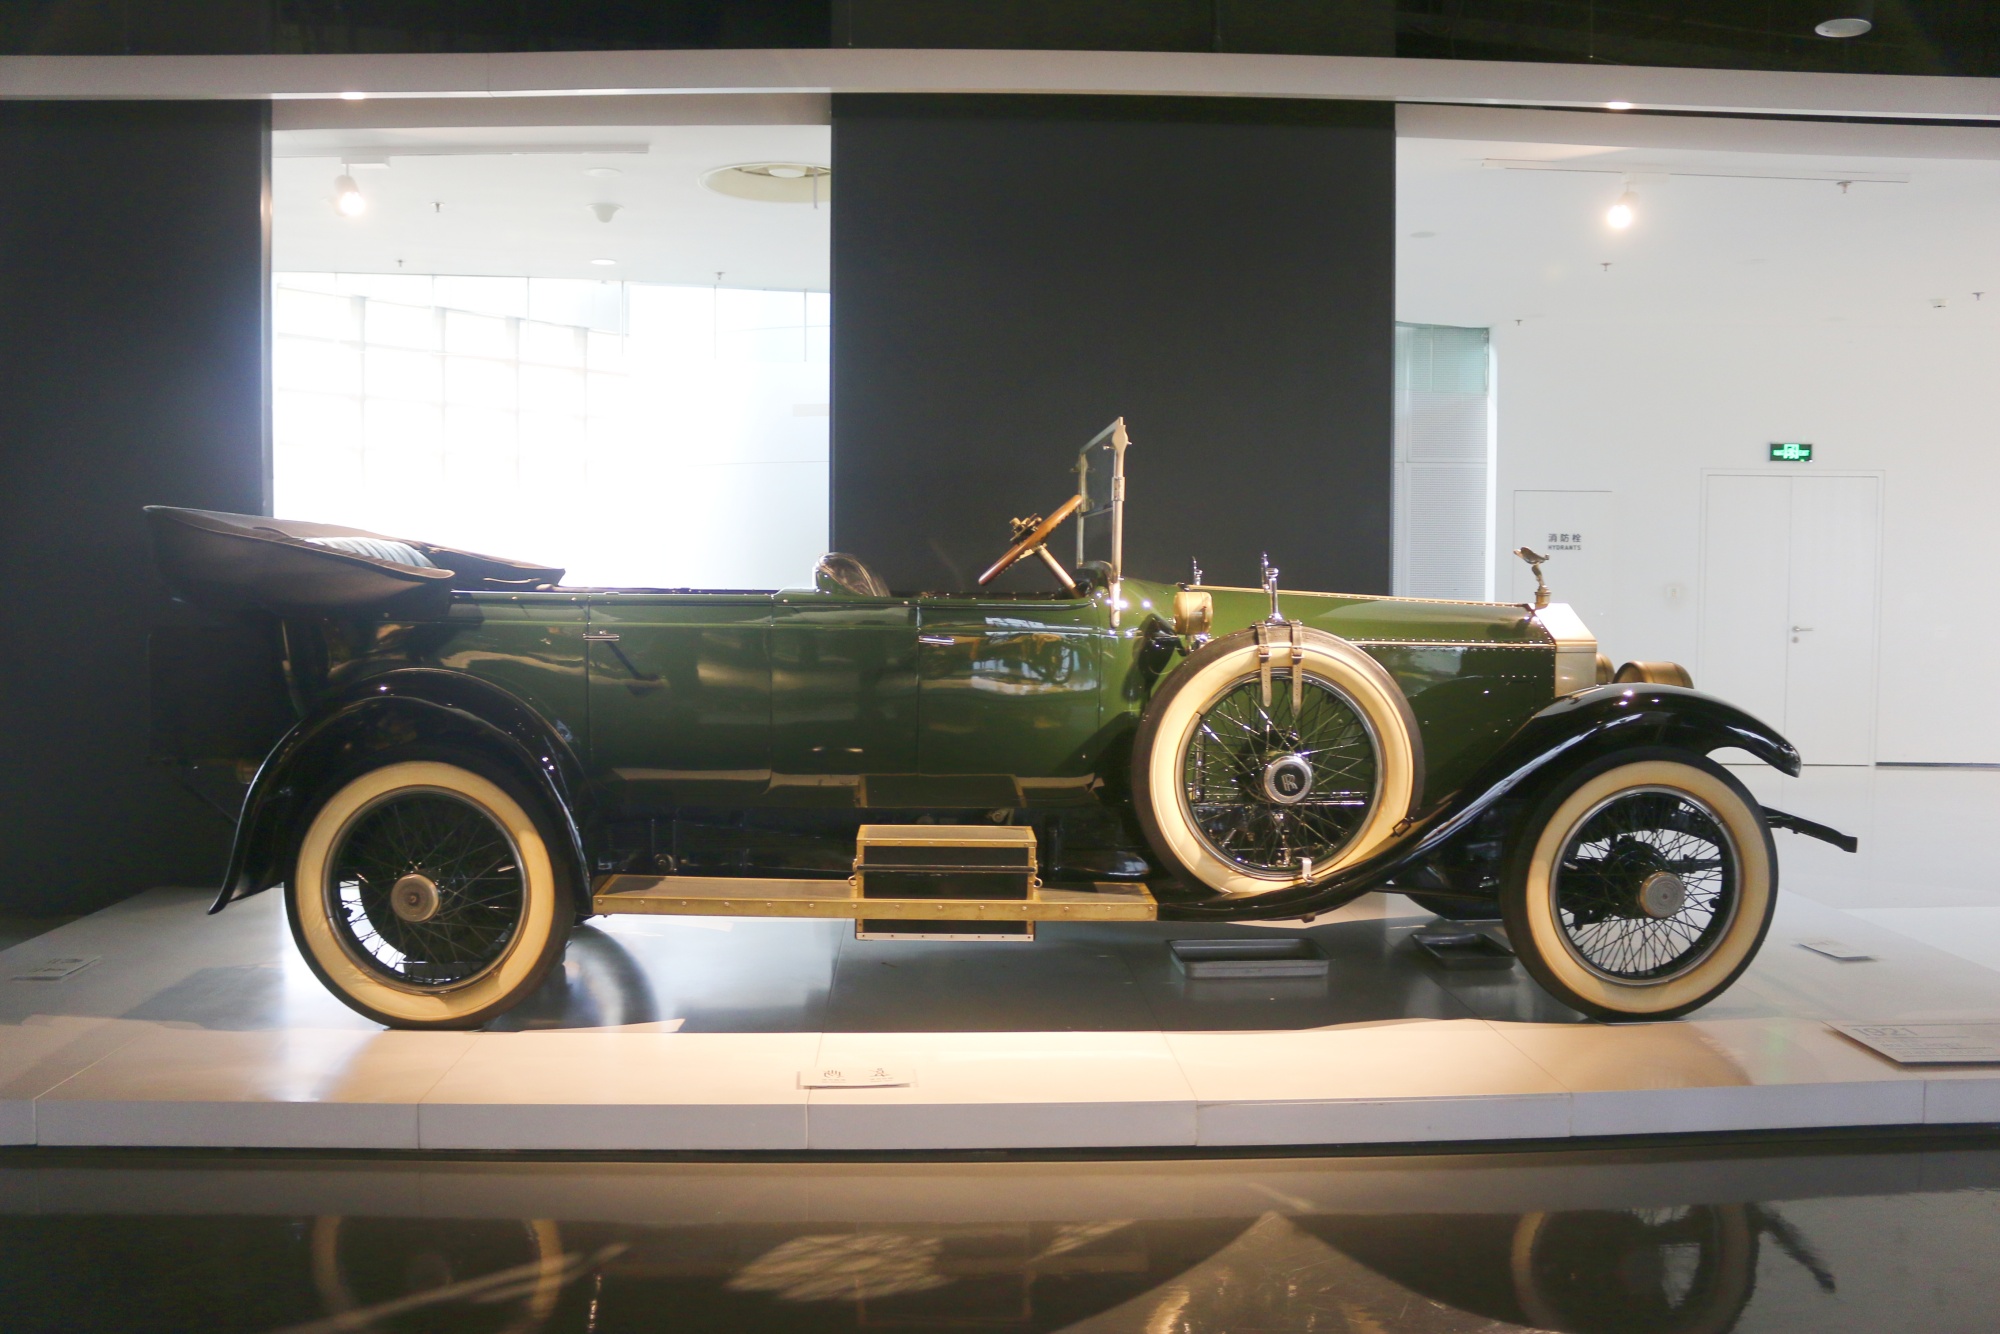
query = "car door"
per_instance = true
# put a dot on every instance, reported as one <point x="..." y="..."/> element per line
<point x="843" y="699"/>
<point x="1010" y="698"/>
<point x="680" y="698"/>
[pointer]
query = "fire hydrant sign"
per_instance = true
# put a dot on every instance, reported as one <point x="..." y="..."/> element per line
<point x="1929" y="1044"/>
<point x="857" y="1076"/>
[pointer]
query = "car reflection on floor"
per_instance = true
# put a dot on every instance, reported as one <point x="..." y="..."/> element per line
<point x="1657" y="1241"/>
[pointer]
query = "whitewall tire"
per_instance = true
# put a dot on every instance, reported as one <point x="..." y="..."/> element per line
<point x="426" y="894"/>
<point x="1641" y="886"/>
<point x="1238" y="796"/>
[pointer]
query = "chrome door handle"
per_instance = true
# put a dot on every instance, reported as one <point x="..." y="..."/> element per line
<point x="1800" y="629"/>
<point x="938" y="641"/>
<point x="600" y="636"/>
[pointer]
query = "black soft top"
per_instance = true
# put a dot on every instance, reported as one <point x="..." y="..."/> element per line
<point x="235" y="562"/>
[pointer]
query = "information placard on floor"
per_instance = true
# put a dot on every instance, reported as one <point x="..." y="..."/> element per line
<point x="1929" y="1044"/>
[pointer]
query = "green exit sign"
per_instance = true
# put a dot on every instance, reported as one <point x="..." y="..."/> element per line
<point x="1791" y="451"/>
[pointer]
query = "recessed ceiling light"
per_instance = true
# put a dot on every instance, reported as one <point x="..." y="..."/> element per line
<point x="1851" y="27"/>
<point x="354" y="97"/>
<point x="1617" y="106"/>
<point x="773" y="182"/>
<point x="600" y="171"/>
<point x="603" y="261"/>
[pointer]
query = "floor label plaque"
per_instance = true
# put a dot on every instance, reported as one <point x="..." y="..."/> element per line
<point x="1929" y="1044"/>
<point x="855" y="1077"/>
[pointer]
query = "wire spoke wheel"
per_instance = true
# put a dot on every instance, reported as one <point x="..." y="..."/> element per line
<point x="425" y="889"/>
<point x="1685" y="1269"/>
<point x="1646" y="885"/>
<point x="1269" y="787"/>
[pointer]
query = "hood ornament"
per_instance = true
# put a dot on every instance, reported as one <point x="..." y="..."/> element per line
<point x="1534" y="561"/>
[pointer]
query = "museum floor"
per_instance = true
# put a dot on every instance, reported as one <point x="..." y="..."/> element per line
<point x="201" y="1138"/>
<point x="1849" y="1233"/>
<point x="695" y="1034"/>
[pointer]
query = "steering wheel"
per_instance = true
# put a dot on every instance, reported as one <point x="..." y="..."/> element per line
<point x="1035" y="541"/>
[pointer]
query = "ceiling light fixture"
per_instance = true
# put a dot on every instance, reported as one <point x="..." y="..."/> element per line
<point x="605" y="212"/>
<point x="773" y="182"/>
<point x="1617" y="106"/>
<point x="1856" y="18"/>
<point x="348" y="201"/>
<point x="353" y="97"/>
<point x="1619" y="216"/>
<point x="604" y="261"/>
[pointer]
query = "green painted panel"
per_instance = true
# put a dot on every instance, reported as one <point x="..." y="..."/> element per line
<point x="530" y="645"/>
<point x="1467" y="701"/>
<point x="1472" y="671"/>
<point x="843" y="695"/>
<point x="1370" y="618"/>
<point x="1010" y="698"/>
<point x="680" y="700"/>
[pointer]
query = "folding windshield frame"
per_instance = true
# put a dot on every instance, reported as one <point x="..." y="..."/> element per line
<point x="1113" y="438"/>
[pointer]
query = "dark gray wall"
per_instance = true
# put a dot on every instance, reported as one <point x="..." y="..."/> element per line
<point x="133" y="281"/>
<point x="1009" y="274"/>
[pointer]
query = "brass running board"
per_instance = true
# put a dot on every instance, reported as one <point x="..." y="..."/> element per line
<point x="729" y="896"/>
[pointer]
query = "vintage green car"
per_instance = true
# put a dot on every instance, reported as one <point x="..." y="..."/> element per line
<point x="474" y="757"/>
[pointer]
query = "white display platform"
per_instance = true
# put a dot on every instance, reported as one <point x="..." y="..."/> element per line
<point x="692" y="1034"/>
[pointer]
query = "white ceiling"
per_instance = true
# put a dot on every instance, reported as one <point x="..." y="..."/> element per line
<point x="1533" y="244"/>
<point x="465" y="200"/>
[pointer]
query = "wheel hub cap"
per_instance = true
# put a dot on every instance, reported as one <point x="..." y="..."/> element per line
<point x="1662" y="894"/>
<point x="414" y="898"/>
<point x="1288" y="779"/>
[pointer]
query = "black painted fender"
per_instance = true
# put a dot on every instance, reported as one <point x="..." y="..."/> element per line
<point x="1573" y="730"/>
<point x="413" y="704"/>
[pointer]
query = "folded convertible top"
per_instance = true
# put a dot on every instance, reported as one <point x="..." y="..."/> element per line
<point x="239" y="561"/>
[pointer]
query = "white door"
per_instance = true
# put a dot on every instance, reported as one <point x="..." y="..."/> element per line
<point x="1788" y="607"/>
<point x="1830" y="676"/>
<point x="1746" y="593"/>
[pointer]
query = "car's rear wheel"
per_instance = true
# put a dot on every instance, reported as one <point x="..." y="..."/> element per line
<point x="426" y="893"/>
<point x="1641" y="886"/>
<point x="1242" y="790"/>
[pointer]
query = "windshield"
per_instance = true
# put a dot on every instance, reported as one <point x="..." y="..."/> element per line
<point x="1100" y="480"/>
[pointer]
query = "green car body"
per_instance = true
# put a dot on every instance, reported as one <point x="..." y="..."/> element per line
<point x="828" y="700"/>
<point x="664" y="736"/>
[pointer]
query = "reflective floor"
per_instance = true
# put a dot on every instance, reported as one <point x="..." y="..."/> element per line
<point x="1831" y="1235"/>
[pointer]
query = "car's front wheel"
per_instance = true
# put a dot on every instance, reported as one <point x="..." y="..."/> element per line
<point x="426" y="893"/>
<point x="1641" y="886"/>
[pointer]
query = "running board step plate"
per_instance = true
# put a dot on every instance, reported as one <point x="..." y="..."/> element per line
<point x="735" y="896"/>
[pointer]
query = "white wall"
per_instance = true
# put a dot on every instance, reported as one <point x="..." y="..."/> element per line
<point x="1640" y="407"/>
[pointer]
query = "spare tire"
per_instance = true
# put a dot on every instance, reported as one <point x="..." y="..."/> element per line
<point x="1243" y="796"/>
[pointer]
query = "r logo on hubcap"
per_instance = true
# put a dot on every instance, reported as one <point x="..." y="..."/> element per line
<point x="1287" y="779"/>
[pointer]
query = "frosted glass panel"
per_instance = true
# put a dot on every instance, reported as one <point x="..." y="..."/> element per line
<point x="1443" y="462"/>
<point x="638" y="435"/>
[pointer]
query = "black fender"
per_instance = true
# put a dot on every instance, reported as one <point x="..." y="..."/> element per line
<point x="1572" y="731"/>
<point x="412" y="704"/>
